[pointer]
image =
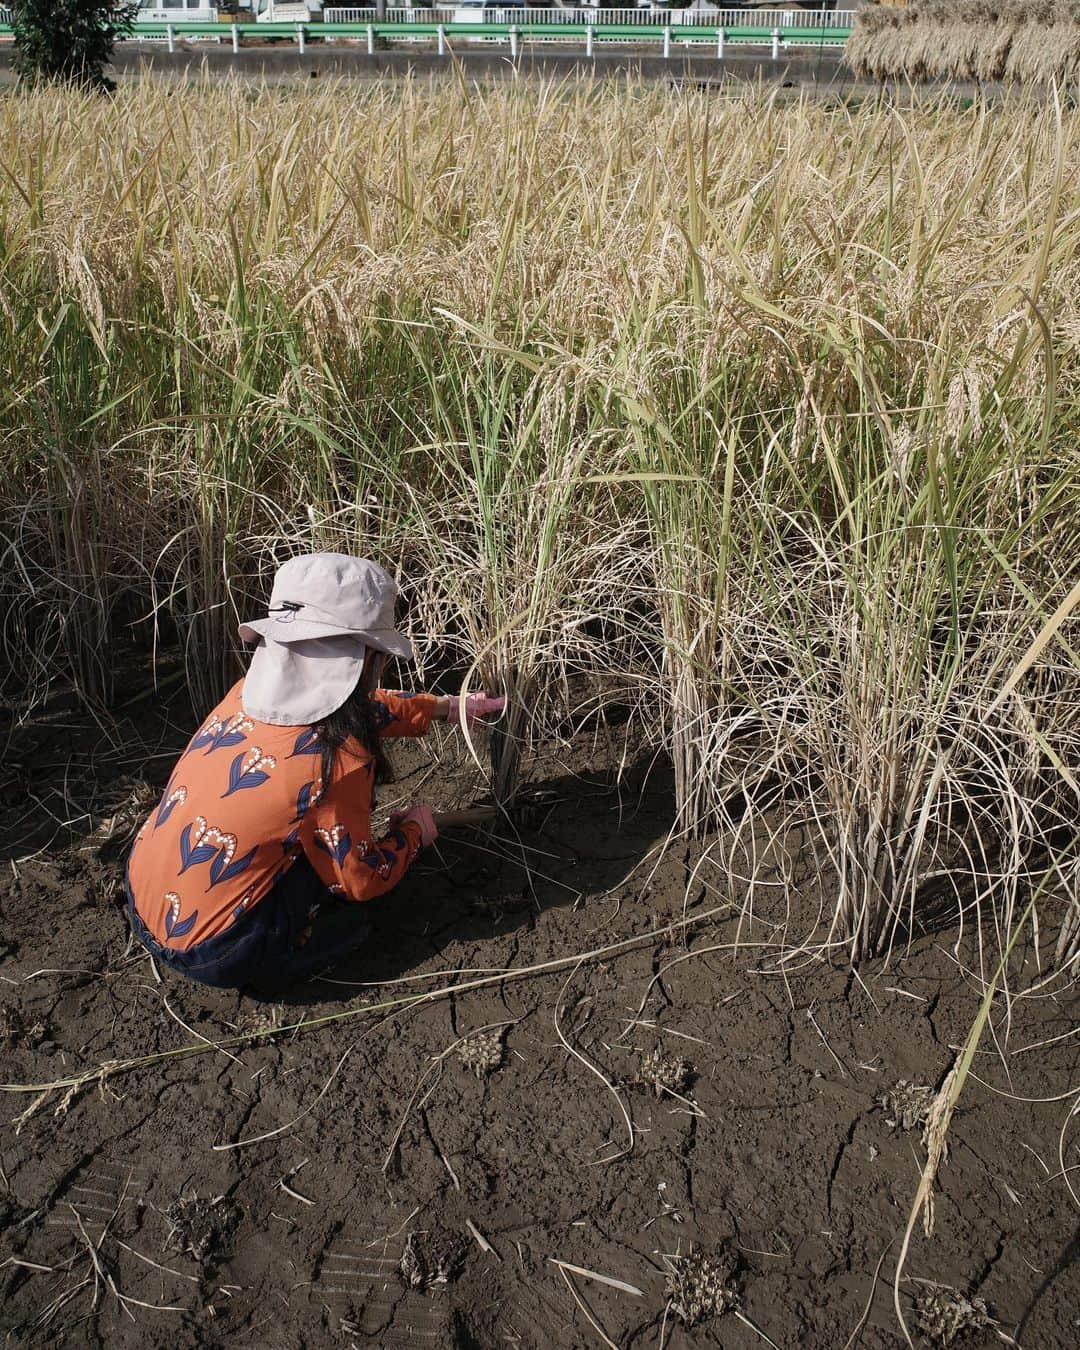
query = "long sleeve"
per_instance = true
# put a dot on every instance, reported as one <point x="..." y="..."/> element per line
<point x="404" y="714"/>
<point x="336" y="836"/>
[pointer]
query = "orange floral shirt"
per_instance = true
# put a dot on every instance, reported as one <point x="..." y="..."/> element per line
<point x="244" y="802"/>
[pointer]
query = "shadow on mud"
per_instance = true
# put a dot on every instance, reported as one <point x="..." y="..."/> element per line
<point x="480" y="885"/>
<point x="67" y="777"/>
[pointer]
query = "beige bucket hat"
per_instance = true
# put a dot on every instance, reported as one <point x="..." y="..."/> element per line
<point x="325" y="611"/>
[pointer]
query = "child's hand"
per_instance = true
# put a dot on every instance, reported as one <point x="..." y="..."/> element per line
<point x="476" y="707"/>
<point x="422" y="816"/>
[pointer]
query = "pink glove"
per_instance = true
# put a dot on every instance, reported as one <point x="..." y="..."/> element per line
<point x="477" y="707"/>
<point x="419" y="815"/>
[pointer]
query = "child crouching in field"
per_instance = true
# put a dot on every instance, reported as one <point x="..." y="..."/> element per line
<point x="248" y="869"/>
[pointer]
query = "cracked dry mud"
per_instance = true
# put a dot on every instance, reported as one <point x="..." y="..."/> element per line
<point x="777" y="1145"/>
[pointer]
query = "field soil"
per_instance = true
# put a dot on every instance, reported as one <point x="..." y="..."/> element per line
<point x="359" y="1183"/>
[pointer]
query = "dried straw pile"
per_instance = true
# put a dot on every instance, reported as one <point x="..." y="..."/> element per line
<point x="1034" y="41"/>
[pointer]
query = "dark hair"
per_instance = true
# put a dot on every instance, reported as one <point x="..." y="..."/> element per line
<point x="357" y="717"/>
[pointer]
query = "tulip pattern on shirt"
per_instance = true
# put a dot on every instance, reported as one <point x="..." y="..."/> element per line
<point x="307" y="743"/>
<point x="229" y="826"/>
<point x="336" y="841"/>
<point x="219" y="732"/>
<point x="173" y="798"/>
<point x="249" y="770"/>
<point x="307" y="796"/>
<point x="175" y="927"/>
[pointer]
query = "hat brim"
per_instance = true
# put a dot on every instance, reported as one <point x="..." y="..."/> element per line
<point x="292" y="631"/>
<point x="297" y="684"/>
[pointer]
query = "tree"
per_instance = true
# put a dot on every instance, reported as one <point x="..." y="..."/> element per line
<point x="70" y="41"/>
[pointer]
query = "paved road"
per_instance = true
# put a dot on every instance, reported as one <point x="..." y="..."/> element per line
<point x="282" y="62"/>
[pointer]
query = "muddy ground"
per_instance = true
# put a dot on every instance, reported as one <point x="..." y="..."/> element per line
<point x="359" y="1183"/>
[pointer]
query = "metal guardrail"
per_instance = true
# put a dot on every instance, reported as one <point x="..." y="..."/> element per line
<point x="744" y="31"/>
<point x="717" y="36"/>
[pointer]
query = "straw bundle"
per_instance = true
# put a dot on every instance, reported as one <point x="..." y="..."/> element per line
<point x="980" y="40"/>
<point x="1045" y="45"/>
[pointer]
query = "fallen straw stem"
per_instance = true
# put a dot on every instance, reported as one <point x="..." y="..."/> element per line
<point x="481" y="1241"/>
<point x="589" y="1315"/>
<point x="756" y="1329"/>
<point x="304" y="1200"/>
<point x="112" y="1068"/>
<point x="609" y="1280"/>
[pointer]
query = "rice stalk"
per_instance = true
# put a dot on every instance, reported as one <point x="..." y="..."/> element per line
<point x="752" y="423"/>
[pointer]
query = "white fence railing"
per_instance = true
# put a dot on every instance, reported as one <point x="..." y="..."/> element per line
<point x="495" y="13"/>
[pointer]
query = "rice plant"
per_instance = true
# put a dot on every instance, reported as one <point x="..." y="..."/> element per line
<point x="757" y="420"/>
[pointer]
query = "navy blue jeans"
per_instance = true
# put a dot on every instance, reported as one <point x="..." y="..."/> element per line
<point x="270" y="947"/>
